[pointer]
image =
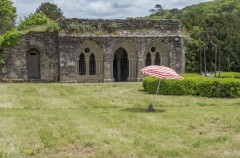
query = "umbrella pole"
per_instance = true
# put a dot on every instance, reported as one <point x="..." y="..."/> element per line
<point x="157" y="92"/>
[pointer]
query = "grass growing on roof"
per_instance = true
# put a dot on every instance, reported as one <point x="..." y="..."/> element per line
<point x="108" y="120"/>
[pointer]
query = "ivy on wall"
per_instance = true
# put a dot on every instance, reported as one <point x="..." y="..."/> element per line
<point x="11" y="38"/>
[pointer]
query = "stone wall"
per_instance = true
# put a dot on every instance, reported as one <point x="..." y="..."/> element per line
<point x="16" y="56"/>
<point x="101" y="27"/>
<point x="131" y="24"/>
<point x="135" y="47"/>
<point x="59" y="52"/>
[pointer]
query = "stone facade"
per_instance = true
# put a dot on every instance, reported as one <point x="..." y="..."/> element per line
<point x="94" y="52"/>
<point x="16" y="58"/>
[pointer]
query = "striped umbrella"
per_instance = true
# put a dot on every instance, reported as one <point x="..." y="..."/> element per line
<point x="160" y="72"/>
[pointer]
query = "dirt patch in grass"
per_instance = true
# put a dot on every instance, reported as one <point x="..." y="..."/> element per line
<point x="74" y="151"/>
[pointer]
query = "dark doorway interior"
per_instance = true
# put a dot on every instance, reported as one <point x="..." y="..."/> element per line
<point x="120" y="65"/>
<point x="33" y="64"/>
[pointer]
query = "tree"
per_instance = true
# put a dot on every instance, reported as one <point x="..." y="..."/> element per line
<point x="51" y="10"/>
<point x="152" y="11"/>
<point x="7" y="15"/>
<point x="174" y="11"/>
<point x="223" y="17"/>
<point x="158" y="8"/>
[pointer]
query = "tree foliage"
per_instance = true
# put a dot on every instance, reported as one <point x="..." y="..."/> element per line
<point x="7" y="15"/>
<point x="223" y="18"/>
<point x="50" y="10"/>
<point x="158" y="10"/>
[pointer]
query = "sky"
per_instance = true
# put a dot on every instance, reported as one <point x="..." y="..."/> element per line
<point x="103" y="9"/>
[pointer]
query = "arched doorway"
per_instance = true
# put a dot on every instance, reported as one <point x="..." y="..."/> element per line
<point x="33" y="65"/>
<point x="120" y="65"/>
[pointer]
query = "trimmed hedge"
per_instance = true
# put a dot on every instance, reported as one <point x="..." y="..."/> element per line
<point x="195" y="85"/>
<point x="230" y="75"/>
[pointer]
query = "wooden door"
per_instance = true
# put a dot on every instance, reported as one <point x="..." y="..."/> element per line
<point x="33" y="64"/>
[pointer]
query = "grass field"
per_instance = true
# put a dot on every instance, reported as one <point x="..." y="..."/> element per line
<point x="108" y="120"/>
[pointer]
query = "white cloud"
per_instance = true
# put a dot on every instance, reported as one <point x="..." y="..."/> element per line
<point x="102" y="8"/>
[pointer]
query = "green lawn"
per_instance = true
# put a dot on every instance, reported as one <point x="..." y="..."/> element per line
<point x="108" y="120"/>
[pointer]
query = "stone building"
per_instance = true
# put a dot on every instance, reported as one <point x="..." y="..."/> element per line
<point x="97" y="50"/>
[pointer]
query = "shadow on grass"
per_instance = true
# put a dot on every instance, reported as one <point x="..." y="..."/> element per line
<point x="142" y="90"/>
<point x="142" y="110"/>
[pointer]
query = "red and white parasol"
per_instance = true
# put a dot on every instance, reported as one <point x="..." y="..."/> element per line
<point x="160" y="72"/>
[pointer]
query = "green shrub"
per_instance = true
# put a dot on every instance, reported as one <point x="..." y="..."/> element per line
<point x="33" y="20"/>
<point x="230" y="75"/>
<point x="11" y="38"/>
<point x="195" y="85"/>
<point x="73" y="27"/>
<point x="85" y="28"/>
<point x="170" y="87"/>
<point x="38" y="23"/>
<point x="223" y="88"/>
<point x="53" y="26"/>
<point x="113" y="26"/>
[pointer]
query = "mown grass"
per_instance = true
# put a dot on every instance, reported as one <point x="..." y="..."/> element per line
<point x="108" y="120"/>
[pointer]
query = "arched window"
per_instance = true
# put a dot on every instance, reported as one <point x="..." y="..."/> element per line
<point x="157" y="59"/>
<point x="92" y="65"/>
<point x="148" y="59"/>
<point x="82" y="65"/>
